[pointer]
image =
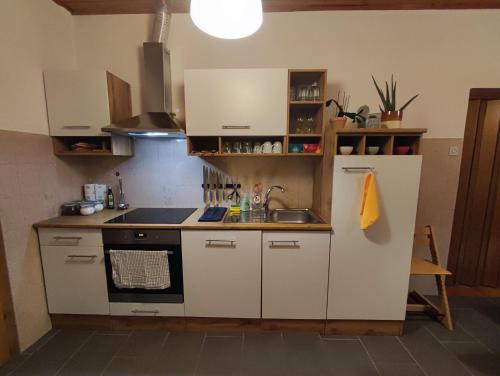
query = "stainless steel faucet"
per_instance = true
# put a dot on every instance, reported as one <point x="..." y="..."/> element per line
<point x="122" y="204"/>
<point x="265" y="205"/>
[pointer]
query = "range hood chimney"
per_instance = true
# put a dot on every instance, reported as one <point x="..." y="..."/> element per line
<point x="157" y="121"/>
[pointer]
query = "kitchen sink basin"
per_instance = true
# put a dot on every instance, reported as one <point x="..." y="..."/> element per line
<point x="292" y="216"/>
<point x="302" y="216"/>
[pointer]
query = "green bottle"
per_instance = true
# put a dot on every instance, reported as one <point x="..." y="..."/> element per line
<point x="111" y="199"/>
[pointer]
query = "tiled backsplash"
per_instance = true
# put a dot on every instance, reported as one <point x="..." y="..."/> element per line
<point x="33" y="183"/>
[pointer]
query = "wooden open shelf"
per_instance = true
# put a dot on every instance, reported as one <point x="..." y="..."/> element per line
<point x="109" y="146"/>
<point x="388" y="140"/>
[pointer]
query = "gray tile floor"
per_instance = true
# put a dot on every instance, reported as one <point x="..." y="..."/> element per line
<point x="425" y="349"/>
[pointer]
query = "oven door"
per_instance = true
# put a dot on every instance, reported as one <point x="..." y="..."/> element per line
<point x="173" y="294"/>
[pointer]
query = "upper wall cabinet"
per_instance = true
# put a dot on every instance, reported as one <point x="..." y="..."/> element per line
<point x="236" y="102"/>
<point x="81" y="102"/>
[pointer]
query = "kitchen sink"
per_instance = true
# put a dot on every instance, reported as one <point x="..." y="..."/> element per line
<point x="293" y="216"/>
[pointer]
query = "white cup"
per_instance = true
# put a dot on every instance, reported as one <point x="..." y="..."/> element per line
<point x="267" y="147"/>
<point x="277" y="147"/>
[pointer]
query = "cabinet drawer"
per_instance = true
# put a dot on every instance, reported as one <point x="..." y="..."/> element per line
<point x="222" y="273"/>
<point x="75" y="280"/>
<point x="147" y="309"/>
<point x="70" y="237"/>
<point x="295" y="274"/>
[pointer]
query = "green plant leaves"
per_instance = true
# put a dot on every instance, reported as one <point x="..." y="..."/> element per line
<point x="407" y="103"/>
<point x="389" y="98"/>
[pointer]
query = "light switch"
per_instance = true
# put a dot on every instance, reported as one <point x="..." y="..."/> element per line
<point x="454" y="150"/>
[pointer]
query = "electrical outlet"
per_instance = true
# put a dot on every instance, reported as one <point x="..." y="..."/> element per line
<point x="454" y="150"/>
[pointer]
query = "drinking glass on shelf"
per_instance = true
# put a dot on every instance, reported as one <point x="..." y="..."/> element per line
<point x="293" y="93"/>
<point x="302" y="93"/>
<point x="309" y="125"/>
<point x="300" y="123"/>
<point x="237" y="147"/>
<point x="247" y="147"/>
<point x="226" y="147"/>
<point x="316" y="95"/>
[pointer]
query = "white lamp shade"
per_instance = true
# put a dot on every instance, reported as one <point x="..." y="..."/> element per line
<point x="227" y="19"/>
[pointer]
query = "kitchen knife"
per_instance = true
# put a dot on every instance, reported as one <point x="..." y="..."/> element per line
<point x="205" y="191"/>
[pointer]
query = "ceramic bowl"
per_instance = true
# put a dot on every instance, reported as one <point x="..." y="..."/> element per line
<point x="346" y="150"/>
<point x="87" y="210"/>
<point x="401" y="150"/>
<point x="372" y="150"/>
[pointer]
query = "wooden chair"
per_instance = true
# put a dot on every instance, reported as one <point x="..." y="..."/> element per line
<point x="419" y="267"/>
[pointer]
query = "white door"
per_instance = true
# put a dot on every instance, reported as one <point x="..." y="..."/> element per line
<point x="295" y="274"/>
<point x="222" y="273"/>
<point x="235" y="102"/>
<point x="369" y="270"/>
<point x="77" y="102"/>
<point x="75" y="280"/>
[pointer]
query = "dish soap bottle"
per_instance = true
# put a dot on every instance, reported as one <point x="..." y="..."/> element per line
<point x="111" y="199"/>
<point x="245" y="203"/>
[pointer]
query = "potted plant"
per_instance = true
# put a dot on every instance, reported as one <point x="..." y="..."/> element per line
<point x="391" y="118"/>
<point x="340" y="112"/>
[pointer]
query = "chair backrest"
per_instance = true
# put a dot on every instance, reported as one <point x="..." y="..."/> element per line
<point x="425" y="236"/>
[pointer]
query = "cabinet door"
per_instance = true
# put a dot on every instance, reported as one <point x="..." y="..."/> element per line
<point x="235" y="102"/>
<point x="75" y="280"/>
<point x="369" y="270"/>
<point x="222" y="273"/>
<point x="295" y="274"/>
<point x="77" y="102"/>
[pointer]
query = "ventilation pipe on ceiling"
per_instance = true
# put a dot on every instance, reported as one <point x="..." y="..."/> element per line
<point x="161" y="24"/>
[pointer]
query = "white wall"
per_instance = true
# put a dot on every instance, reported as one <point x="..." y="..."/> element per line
<point x="439" y="54"/>
<point x="35" y="35"/>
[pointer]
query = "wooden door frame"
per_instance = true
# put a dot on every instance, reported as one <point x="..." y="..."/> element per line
<point x="475" y="113"/>
<point x="6" y="304"/>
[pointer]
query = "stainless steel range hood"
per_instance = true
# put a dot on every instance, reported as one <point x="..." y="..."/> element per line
<point x="157" y="120"/>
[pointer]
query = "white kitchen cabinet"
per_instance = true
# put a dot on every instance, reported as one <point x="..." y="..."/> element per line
<point x="81" y="102"/>
<point x="222" y="273"/>
<point x="75" y="277"/>
<point x="236" y="102"/>
<point x="295" y="274"/>
<point x="369" y="270"/>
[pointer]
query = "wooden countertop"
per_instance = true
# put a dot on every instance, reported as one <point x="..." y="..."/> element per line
<point x="99" y="220"/>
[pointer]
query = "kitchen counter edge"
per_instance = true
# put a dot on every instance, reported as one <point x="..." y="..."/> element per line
<point x="97" y="221"/>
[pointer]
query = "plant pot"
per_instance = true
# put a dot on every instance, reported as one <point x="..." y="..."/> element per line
<point x="338" y="123"/>
<point x="391" y="119"/>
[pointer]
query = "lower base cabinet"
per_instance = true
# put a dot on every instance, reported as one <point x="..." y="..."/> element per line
<point x="295" y="275"/>
<point x="75" y="280"/>
<point x="222" y="273"/>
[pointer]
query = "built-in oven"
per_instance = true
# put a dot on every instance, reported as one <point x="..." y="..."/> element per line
<point x="145" y="240"/>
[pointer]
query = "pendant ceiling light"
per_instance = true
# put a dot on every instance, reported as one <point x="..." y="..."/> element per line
<point x="227" y="19"/>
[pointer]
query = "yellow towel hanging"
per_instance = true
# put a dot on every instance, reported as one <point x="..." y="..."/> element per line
<point x="369" y="206"/>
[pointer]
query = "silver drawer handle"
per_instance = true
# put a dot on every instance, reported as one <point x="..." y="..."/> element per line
<point x="76" y="126"/>
<point x="235" y="127"/>
<point x="358" y="169"/>
<point x="222" y="243"/>
<point x="152" y="312"/>
<point x="87" y="259"/>
<point x="67" y="238"/>
<point x="284" y="244"/>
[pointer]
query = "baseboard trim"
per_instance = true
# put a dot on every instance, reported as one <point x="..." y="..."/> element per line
<point x="364" y="327"/>
<point x="341" y="327"/>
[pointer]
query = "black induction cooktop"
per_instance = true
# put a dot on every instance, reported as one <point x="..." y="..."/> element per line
<point x="154" y="216"/>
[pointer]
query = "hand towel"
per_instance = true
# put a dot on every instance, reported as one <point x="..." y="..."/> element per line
<point x="140" y="269"/>
<point x="369" y="206"/>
